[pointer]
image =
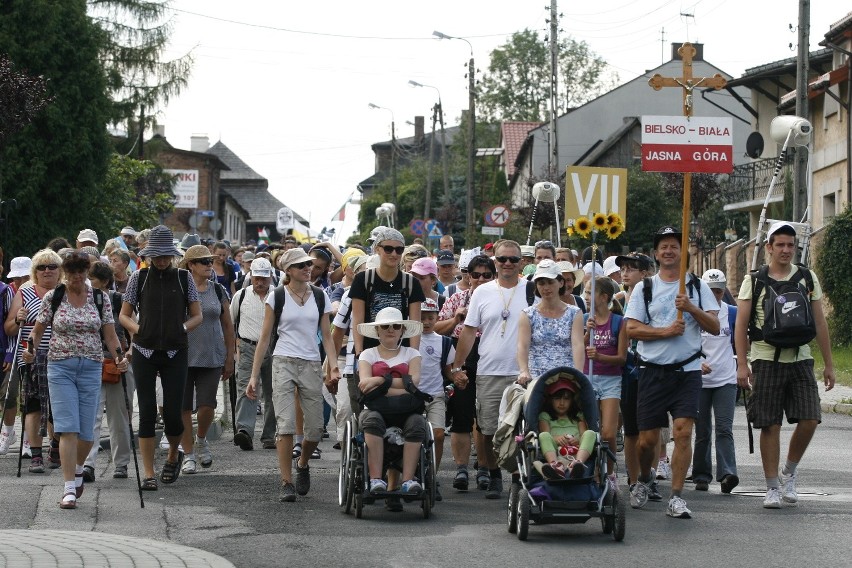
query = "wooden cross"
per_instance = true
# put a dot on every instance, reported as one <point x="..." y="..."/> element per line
<point x="687" y="83"/>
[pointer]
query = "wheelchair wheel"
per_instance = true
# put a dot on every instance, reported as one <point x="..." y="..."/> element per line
<point x="620" y="520"/>
<point x="513" y="507"/>
<point x="523" y="514"/>
<point x="359" y="505"/>
<point x="343" y="478"/>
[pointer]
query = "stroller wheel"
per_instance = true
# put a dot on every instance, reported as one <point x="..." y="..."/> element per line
<point x="608" y="521"/>
<point x="523" y="514"/>
<point x="620" y="520"/>
<point x="513" y="508"/>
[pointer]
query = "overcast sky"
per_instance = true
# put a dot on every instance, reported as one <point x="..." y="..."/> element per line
<point x="286" y="84"/>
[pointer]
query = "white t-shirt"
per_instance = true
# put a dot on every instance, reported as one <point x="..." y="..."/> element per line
<point x="404" y="355"/>
<point x="431" y="377"/>
<point x="498" y="346"/>
<point x="297" y="327"/>
<point x="720" y="354"/>
<point x="343" y="320"/>
<point x="663" y="313"/>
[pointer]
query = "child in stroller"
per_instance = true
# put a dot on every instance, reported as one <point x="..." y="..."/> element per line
<point x="563" y="434"/>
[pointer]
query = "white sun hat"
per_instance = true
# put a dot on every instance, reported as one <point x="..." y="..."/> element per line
<point x="390" y="316"/>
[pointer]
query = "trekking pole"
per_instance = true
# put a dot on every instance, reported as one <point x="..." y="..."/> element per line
<point x="11" y="374"/>
<point x="130" y="427"/>
<point x="232" y="395"/>
<point x="24" y="376"/>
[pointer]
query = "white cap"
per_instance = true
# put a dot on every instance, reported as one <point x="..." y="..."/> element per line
<point x="465" y="256"/>
<point x="609" y="266"/>
<point x="20" y="266"/>
<point x="777" y="226"/>
<point x="87" y="235"/>
<point x="715" y="278"/>
<point x="261" y="267"/>
<point x="587" y="268"/>
<point x="547" y="269"/>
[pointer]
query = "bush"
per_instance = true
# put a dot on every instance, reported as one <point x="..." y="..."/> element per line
<point x="835" y="265"/>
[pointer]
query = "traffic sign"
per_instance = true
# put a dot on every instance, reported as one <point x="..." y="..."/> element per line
<point x="497" y="216"/>
<point x="430" y="224"/>
<point x="417" y="227"/>
<point x="498" y="231"/>
<point x="435" y="232"/>
<point x="687" y="144"/>
<point x="205" y="213"/>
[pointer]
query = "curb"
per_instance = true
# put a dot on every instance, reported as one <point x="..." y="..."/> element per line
<point x="836" y="408"/>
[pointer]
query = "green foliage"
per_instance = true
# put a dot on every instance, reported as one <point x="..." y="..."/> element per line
<point x="834" y="265"/>
<point x="140" y="194"/>
<point x="517" y="84"/>
<point x="22" y="97"/>
<point x="649" y="207"/>
<point x="55" y="167"/>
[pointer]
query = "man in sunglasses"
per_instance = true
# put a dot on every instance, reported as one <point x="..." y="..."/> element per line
<point x="494" y="309"/>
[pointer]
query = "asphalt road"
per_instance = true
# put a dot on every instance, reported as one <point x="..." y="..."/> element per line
<point x="232" y="510"/>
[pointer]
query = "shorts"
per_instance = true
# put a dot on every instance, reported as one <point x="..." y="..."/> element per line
<point x="75" y="392"/>
<point x="489" y="393"/>
<point x="663" y="392"/>
<point x="436" y="412"/>
<point x="783" y="388"/>
<point x="413" y="426"/>
<point x="203" y="383"/>
<point x="607" y="386"/>
<point x="629" y="394"/>
<point x="287" y="374"/>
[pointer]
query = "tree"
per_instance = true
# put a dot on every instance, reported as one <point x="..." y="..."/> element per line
<point x="517" y="84"/>
<point x="22" y="97"/>
<point x="834" y="265"/>
<point x="55" y="166"/>
<point x="140" y="194"/>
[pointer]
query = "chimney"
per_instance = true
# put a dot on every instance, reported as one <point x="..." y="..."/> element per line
<point x="160" y="130"/>
<point x="699" y="51"/>
<point x="199" y="143"/>
<point x="418" y="128"/>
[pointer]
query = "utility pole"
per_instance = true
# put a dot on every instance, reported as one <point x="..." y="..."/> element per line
<point x="553" y="156"/>
<point x="471" y="137"/>
<point x="393" y="162"/>
<point x="444" y="164"/>
<point x="427" y="205"/>
<point x="800" y="165"/>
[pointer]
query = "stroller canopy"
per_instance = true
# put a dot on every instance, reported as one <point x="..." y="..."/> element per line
<point x="536" y="392"/>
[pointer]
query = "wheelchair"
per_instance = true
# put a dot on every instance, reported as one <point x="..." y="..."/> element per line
<point x="353" y="489"/>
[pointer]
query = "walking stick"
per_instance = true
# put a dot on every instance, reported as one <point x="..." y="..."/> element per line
<point x="24" y="373"/>
<point x="232" y="394"/>
<point x="130" y="427"/>
<point x="11" y="374"/>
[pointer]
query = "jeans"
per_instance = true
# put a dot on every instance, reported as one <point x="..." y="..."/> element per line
<point x="246" y="415"/>
<point x="721" y="402"/>
<point x="75" y="392"/>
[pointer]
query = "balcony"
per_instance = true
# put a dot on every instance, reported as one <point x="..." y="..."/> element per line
<point x="746" y="187"/>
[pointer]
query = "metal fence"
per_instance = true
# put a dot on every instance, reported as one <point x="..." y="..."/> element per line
<point x="751" y="181"/>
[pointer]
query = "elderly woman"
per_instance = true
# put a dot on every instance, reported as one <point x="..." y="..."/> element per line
<point x="78" y="315"/>
<point x="168" y="305"/>
<point x="211" y="356"/>
<point x="45" y="274"/>
<point x="572" y="276"/>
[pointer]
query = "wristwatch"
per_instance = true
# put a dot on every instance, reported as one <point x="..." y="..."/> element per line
<point x="184" y="328"/>
<point x="456" y="369"/>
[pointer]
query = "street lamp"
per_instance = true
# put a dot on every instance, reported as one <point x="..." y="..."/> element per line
<point x="393" y="148"/>
<point x="439" y="111"/>
<point x="471" y="130"/>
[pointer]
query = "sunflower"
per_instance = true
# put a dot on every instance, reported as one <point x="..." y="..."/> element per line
<point x="582" y="226"/>
<point x="615" y="219"/>
<point x="570" y="231"/>
<point x="614" y="231"/>
<point x="599" y="221"/>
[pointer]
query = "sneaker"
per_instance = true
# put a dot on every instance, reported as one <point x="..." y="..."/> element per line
<point x="269" y="445"/>
<point x="461" y="480"/>
<point x="664" y="471"/>
<point x="205" y="456"/>
<point x="243" y="440"/>
<point x="164" y="442"/>
<point x="287" y="492"/>
<point x="482" y="478"/>
<point x="689" y="478"/>
<point x="788" y="493"/>
<point x="88" y="473"/>
<point x="702" y="485"/>
<point x="411" y="487"/>
<point x="37" y="465"/>
<point x="7" y="440"/>
<point x="654" y="492"/>
<point x="729" y="482"/>
<point x="120" y="472"/>
<point x="325" y="434"/>
<point x="303" y="479"/>
<point x="316" y="454"/>
<point x="612" y="481"/>
<point x="553" y="471"/>
<point x="188" y="466"/>
<point x="772" y="499"/>
<point x="259" y="409"/>
<point x="677" y="509"/>
<point x="27" y="452"/>
<point x="393" y="504"/>
<point x="495" y="488"/>
<point x="54" y="461"/>
<point x="378" y="486"/>
<point x="638" y="495"/>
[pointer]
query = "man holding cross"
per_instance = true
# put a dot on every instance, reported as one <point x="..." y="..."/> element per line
<point x="668" y="323"/>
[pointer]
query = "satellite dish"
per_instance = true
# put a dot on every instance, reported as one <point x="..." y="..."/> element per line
<point x="754" y="145"/>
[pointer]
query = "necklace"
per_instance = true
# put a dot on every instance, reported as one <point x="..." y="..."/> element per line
<point x="301" y="297"/>
<point x="505" y="313"/>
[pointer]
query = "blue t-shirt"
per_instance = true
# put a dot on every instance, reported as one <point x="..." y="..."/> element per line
<point x="663" y="313"/>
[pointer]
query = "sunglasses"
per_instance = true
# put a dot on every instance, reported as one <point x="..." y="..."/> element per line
<point x="390" y="250"/>
<point x="394" y="326"/>
<point x="478" y="275"/>
<point x="204" y="261"/>
<point x="505" y="259"/>
<point x="43" y="267"/>
<point x="301" y="265"/>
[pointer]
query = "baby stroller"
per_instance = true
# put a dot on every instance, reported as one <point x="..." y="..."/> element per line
<point x="565" y="500"/>
<point x="353" y="479"/>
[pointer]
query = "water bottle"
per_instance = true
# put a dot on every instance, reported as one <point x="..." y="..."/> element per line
<point x="450" y="390"/>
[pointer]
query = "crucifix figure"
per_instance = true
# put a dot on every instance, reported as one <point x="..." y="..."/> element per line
<point x="687" y="84"/>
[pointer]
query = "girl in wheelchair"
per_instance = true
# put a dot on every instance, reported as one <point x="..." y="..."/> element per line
<point x="563" y="433"/>
<point x="389" y="375"/>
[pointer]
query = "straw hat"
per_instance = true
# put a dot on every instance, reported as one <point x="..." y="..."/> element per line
<point x="567" y="267"/>
<point x="390" y="316"/>
<point x="196" y="252"/>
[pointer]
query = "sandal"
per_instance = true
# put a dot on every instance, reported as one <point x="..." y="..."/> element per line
<point x="297" y="450"/>
<point x="149" y="484"/>
<point x="69" y="500"/>
<point x="461" y="481"/>
<point x="316" y="454"/>
<point x="171" y="470"/>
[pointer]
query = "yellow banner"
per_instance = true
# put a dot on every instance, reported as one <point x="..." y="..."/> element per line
<point x="594" y="190"/>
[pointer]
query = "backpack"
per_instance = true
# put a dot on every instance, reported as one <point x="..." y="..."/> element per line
<point x="446" y="344"/>
<point x="692" y="285"/>
<point x="183" y="281"/>
<point x="407" y="285"/>
<point x="280" y="295"/>
<point x="59" y="293"/>
<point x="788" y="319"/>
<point x="530" y="292"/>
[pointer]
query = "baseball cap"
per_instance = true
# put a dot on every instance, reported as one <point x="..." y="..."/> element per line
<point x="560" y="385"/>
<point x="261" y="267"/>
<point x="643" y="260"/>
<point x="445" y="257"/>
<point x="609" y="266"/>
<point x="547" y="269"/>
<point x="429" y="305"/>
<point x="128" y="231"/>
<point x="667" y="231"/>
<point x="781" y="226"/>
<point x="528" y="250"/>
<point x="488" y="246"/>
<point x="87" y="235"/>
<point x="248" y="256"/>
<point x="715" y="278"/>
<point x="425" y="266"/>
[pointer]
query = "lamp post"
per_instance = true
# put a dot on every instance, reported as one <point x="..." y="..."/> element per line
<point x="471" y="132"/>
<point x="439" y="110"/>
<point x="393" y="149"/>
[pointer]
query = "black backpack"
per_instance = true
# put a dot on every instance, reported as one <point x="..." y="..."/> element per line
<point x="407" y="287"/>
<point x="281" y="297"/>
<point x="788" y="319"/>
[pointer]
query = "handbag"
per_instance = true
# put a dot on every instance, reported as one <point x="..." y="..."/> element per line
<point x="110" y="373"/>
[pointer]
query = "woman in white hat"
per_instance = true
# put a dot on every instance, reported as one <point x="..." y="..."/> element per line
<point x="385" y="369"/>
<point x="572" y="277"/>
<point x="550" y="333"/>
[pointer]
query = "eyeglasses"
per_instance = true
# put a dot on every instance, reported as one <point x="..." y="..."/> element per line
<point x="478" y="275"/>
<point x="505" y="259"/>
<point x="301" y="265"/>
<point x="394" y="326"/>
<point x="204" y="261"/>
<point x="416" y="253"/>
<point x="390" y="250"/>
<point x="43" y="267"/>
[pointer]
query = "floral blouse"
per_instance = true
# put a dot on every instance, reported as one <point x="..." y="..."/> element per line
<point x="76" y="331"/>
<point x="454" y="302"/>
